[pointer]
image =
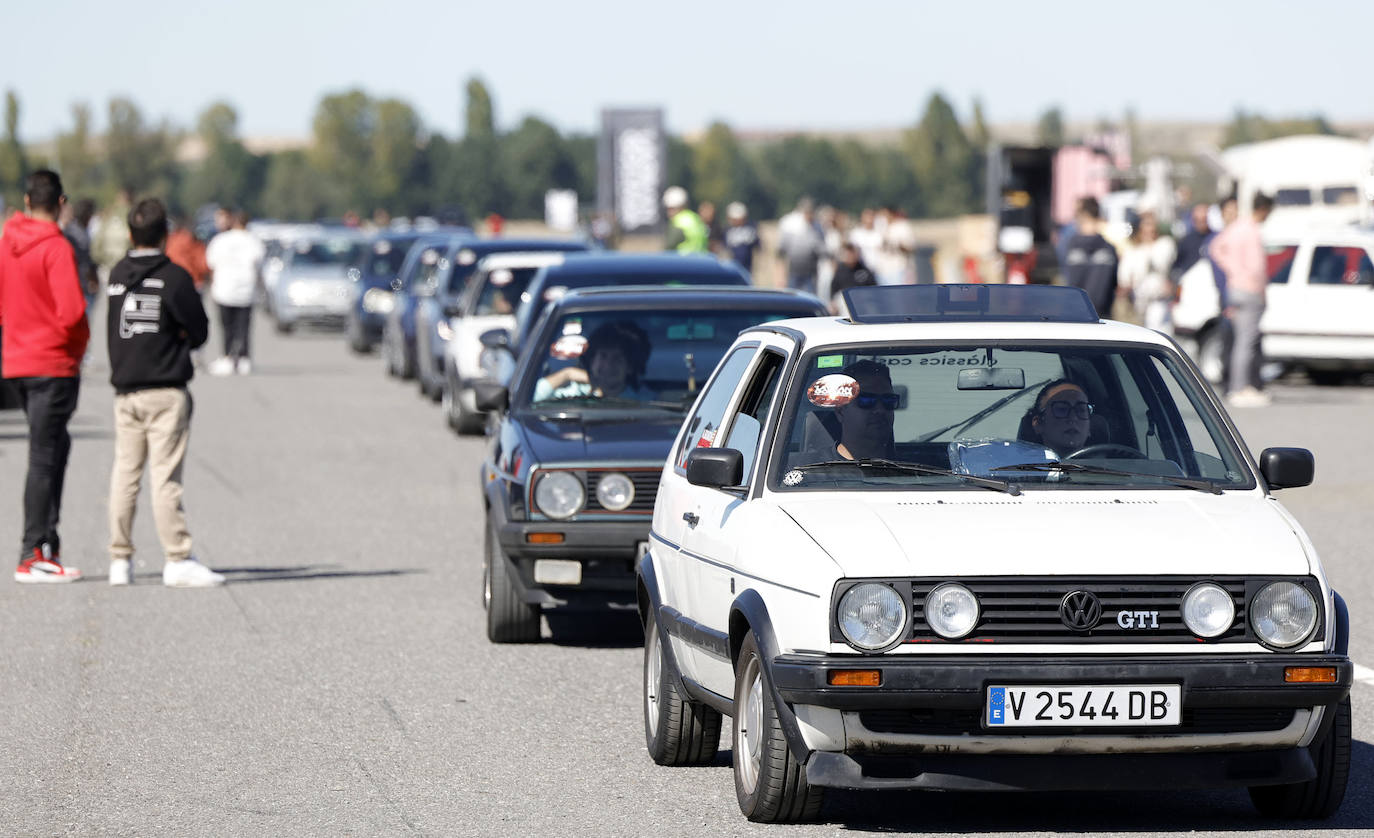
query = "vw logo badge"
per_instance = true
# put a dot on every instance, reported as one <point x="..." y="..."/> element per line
<point x="1080" y="610"/>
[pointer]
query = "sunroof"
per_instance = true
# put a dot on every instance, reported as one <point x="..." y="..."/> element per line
<point x="989" y="303"/>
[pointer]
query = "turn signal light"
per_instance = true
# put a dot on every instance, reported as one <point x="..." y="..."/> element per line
<point x="544" y="538"/>
<point x="855" y="677"/>
<point x="1309" y="674"/>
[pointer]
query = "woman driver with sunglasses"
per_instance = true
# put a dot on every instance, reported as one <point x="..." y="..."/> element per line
<point x="1061" y="417"/>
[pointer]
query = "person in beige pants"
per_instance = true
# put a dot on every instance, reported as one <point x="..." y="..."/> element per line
<point x="155" y="319"/>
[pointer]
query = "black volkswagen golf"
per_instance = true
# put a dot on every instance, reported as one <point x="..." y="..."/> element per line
<point x="574" y="463"/>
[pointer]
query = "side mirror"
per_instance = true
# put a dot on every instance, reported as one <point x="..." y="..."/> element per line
<point x="453" y="310"/>
<point x="490" y="396"/>
<point x="1287" y="468"/>
<point x="496" y="339"/>
<point x="715" y="467"/>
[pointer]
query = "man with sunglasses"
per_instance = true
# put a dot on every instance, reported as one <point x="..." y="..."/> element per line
<point x="1061" y="417"/>
<point x="866" y="420"/>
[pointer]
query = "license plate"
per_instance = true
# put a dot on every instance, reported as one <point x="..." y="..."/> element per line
<point x="1081" y="705"/>
<point x="641" y="548"/>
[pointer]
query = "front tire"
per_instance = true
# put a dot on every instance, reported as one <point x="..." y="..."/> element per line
<point x="509" y="618"/>
<point x="677" y="730"/>
<point x="1213" y="354"/>
<point x="769" y="781"/>
<point x="1321" y="796"/>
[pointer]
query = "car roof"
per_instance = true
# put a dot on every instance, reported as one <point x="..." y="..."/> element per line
<point x="701" y="296"/>
<point x="481" y="246"/>
<point x="824" y="331"/>
<point x="523" y="259"/>
<point x="616" y="263"/>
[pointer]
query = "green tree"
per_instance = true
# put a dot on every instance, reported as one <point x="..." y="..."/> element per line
<point x="980" y="138"/>
<point x="942" y="161"/>
<point x="396" y="157"/>
<point x="141" y="158"/>
<point x="294" y="188"/>
<point x="1049" y="131"/>
<point x="679" y="166"/>
<point x="721" y="170"/>
<point x="801" y="165"/>
<point x="229" y="174"/>
<point x="76" y="161"/>
<point x="536" y="160"/>
<point x="473" y="174"/>
<point x="341" y="149"/>
<point x="582" y="152"/>
<point x="1252" y="128"/>
<point x="14" y="164"/>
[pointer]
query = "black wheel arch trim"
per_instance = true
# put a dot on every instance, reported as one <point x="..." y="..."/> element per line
<point x="749" y="614"/>
<point x="1342" y="630"/>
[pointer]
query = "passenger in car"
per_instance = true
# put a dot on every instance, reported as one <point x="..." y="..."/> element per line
<point x="610" y="366"/>
<point x="865" y="422"/>
<point x="1061" y="418"/>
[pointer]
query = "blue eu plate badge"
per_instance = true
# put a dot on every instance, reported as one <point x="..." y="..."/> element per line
<point x="997" y="705"/>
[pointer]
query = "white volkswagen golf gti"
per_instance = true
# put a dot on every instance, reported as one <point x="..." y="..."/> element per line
<point x="973" y="537"/>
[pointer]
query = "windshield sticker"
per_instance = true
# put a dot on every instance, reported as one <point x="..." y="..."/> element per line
<point x="382" y="247"/>
<point x="430" y="257"/>
<point x="572" y="327"/>
<point x="555" y="293"/>
<point x="829" y="361"/>
<point x="835" y="390"/>
<point x="466" y="257"/>
<point x="568" y="348"/>
<point x="793" y="478"/>
<point x="708" y="437"/>
<point x="501" y="277"/>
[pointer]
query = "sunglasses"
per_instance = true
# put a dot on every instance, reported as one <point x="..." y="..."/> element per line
<point x="868" y="401"/>
<point x="1062" y="409"/>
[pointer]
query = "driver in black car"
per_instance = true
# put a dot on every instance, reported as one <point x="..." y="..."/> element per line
<point x="609" y="367"/>
<point x="1061" y="417"/>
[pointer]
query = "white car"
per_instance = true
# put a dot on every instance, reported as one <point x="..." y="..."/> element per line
<point x="975" y="538"/>
<point x="1319" y="311"/>
<point x="488" y="301"/>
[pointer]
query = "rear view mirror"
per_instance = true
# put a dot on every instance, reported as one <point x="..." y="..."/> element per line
<point x="991" y="378"/>
<point x="715" y="467"/>
<point x="1287" y="468"/>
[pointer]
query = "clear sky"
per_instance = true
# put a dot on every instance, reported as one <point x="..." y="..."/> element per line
<point x="845" y="64"/>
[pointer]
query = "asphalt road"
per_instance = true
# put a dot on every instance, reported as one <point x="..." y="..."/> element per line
<point x="342" y="683"/>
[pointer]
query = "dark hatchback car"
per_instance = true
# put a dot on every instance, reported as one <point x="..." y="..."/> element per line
<point x="435" y="304"/>
<point x="423" y="262"/>
<point x="370" y="296"/>
<point x="574" y="462"/>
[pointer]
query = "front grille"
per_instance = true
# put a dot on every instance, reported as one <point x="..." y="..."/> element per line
<point x="646" y="490"/>
<point x="959" y="722"/>
<point x="1026" y="610"/>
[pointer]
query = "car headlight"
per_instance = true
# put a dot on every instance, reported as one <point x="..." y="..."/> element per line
<point x="1283" y="614"/>
<point x="951" y="610"/>
<point x="615" y="491"/>
<point x="299" y="293"/>
<point x="559" y="494"/>
<point x="872" y="615"/>
<point x="378" y="301"/>
<point x="1208" y="610"/>
<point x="443" y="330"/>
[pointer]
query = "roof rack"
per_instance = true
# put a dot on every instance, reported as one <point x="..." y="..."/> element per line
<point x="976" y="303"/>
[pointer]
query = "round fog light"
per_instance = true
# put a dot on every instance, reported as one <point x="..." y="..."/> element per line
<point x="1208" y="610"/>
<point x="615" y="491"/>
<point x="951" y="610"/>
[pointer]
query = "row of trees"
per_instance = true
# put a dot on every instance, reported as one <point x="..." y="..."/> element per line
<point x="367" y="153"/>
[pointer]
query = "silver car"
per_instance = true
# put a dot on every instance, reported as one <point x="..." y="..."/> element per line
<point x="313" y="284"/>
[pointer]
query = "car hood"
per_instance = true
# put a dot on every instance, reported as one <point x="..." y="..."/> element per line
<point x="1097" y="533"/>
<point x="602" y="436"/>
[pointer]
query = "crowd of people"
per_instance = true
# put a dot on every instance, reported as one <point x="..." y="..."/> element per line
<point x="1144" y="275"/>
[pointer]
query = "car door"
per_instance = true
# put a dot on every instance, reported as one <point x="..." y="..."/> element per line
<point x="676" y="508"/>
<point x="722" y="518"/>
<point x="1330" y="296"/>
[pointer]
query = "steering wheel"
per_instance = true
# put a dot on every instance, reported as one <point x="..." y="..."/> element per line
<point x="1104" y="447"/>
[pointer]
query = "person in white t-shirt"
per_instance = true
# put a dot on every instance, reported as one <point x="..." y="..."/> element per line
<point x="1144" y="273"/>
<point x="235" y="258"/>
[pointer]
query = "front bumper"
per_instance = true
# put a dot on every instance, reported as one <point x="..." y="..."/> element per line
<point x="607" y="551"/>
<point x="924" y="726"/>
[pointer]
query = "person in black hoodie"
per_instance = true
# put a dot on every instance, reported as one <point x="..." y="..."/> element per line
<point x="851" y="272"/>
<point x="155" y="319"/>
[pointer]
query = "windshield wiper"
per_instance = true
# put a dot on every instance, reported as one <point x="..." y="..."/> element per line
<point x="1201" y="484"/>
<point x="917" y="468"/>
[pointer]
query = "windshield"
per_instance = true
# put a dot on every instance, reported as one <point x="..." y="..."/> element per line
<point x="501" y="289"/>
<point x="635" y="359"/>
<point x="334" y="251"/>
<point x="1114" y="416"/>
<point x="383" y="259"/>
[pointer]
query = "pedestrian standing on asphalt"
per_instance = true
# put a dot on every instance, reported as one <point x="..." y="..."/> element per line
<point x="186" y="251"/>
<point x="76" y="226"/>
<point x="156" y="318"/>
<point x="801" y="246"/>
<point x="851" y="272"/>
<point x="687" y="233"/>
<point x="1239" y="251"/>
<point x="741" y="237"/>
<point x="235" y="258"/>
<point x="44" y="338"/>
<point x="1144" y="273"/>
<point x="1090" y="261"/>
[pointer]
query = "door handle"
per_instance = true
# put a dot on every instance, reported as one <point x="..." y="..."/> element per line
<point x="691" y="518"/>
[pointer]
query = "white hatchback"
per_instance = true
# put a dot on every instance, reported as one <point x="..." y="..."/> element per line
<point x="975" y="538"/>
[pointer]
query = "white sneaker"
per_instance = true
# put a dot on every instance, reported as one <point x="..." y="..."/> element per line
<point x="189" y="573"/>
<point x="222" y="366"/>
<point x="1249" y="397"/>
<point x="120" y="572"/>
<point x="244" y="367"/>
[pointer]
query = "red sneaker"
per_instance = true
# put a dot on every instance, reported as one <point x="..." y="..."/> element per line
<point x="43" y="567"/>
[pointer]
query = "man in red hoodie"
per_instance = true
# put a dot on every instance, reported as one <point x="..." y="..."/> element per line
<point x="45" y="335"/>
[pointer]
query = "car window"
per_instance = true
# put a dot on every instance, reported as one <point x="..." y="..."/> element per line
<point x="1297" y="196"/>
<point x="385" y="257"/>
<point x="1341" y="266"/>
<point x="1279" y="262"/>
<point x="710" y="410"/>
<point x="1341" y="196"/>
<point x="979" y="409"/>
<point x="501" y="289"/>
<point x="746" y="426"/>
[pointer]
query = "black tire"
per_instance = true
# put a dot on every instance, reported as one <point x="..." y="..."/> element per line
<point x="357" y="341"/>
<point x="285" y="328"/>
<point x="1214" y="354"/>
<point x="1328" y="378"/>
<point x="677" y="730"/>
<point x="458" y="417"/>
<point x="1321" y="796"/>
<point x="509" y="618"/>
<point x="777" y="791"/>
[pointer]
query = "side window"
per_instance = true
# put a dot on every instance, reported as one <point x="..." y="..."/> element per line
<point x="1200" y="436"/>
<point x="710" y="412"/>
<point x="747" y="425"/>
<point x="1279" y="262"/>
<point x="1340" y="266"/>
